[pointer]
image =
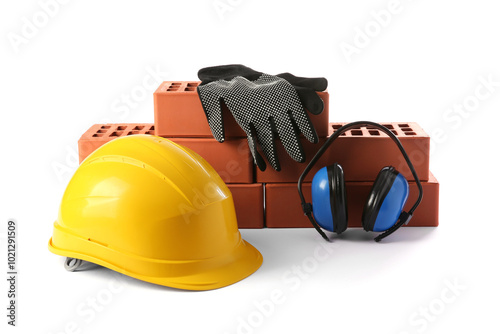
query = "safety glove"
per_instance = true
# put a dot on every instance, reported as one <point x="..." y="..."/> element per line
<point x="264" y="106"/>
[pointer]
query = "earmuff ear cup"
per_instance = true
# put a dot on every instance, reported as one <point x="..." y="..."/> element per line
<point x="329" y="198"/>
<point x="338" y="197"/>
<point x="320" y="193"/>
<point x="385" y="201"/>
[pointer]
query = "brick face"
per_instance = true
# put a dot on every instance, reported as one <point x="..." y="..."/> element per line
<point x="99" y="134"/>
<point x="231" y="159"/>
<point x="178" y="113"/>
<point x="361" y="152"/>
<point x="248" y="202"/>
<point x="283" y="207"/>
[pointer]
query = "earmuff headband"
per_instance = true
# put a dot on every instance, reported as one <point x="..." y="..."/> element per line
<point x="404" y="217"/>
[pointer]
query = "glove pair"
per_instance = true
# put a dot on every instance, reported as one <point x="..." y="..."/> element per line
<point x="265" y="106"/>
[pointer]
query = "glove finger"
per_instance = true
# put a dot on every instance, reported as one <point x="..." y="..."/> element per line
<point x="317" y="84"/>
<point x="289" y="136"/>
<point x="310" y="100"/>
<point x="303" y="122"/>
<point x="265" y="135"/>
<point x="226" y="72"/>
<point x="252" y="144"/>
<point x="212" y="105"/>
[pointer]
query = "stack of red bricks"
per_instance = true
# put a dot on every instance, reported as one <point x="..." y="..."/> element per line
<point x="270" y="198"/>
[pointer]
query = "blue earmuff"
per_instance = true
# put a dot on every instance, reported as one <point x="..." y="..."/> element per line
<point x="382" y="210"/>
<point x="329" y="198"/>
<point x="386" y="200"/>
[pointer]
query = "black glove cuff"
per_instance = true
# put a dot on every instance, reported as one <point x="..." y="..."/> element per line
<point x="227" y="72"/>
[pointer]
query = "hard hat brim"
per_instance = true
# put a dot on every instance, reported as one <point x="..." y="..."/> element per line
<point x="225" y="270"/>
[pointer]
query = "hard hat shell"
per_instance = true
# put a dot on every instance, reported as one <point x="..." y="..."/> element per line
<point x="154" y="210"/>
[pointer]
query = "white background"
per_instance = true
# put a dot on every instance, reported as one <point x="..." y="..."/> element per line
<point x="73" y="70"/>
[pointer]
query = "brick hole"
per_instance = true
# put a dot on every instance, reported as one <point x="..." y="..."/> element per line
<point x="336" y="126"/>
<point x="374" y="132"/>
<point x="356" y="132"/>
<point x="403" y="125"/>
<point x="138" y="127"/>
<point x="389" y="126"/>
<point x="134" y="132"/>
<point x="357" y="128"/>
<point x="343" y="134"/>
<point x="410" y="133"/>
<point x="150" y="132"/>
<point x="97" y="135"/>
<point x="102" y="131"/>
<point x="395" y="132"/>
<point x="105" y="127"/>
<point x="193" y="84"/>
<point x="172" y="89"/>
<point x="407" y="129"/>
<point x="175" y="84"/>
<point x="152" y="128"/>
<point x="189" y="89"/>
<point x="116" y="134"/>
<point x="121" y="127"/>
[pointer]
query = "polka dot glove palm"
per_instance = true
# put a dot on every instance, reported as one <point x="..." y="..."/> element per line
<point x="265" y="106"/>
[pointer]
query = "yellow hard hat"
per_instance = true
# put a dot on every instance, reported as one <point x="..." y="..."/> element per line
<point x="154" y="210"/>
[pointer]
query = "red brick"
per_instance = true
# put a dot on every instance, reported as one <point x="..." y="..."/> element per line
<point x="283" y="207"/>
<point x="249" y="204"/>
<point x="178" y="113"/>
<point x="231" y="159"/>
<point x="361" y="152"/>
<point x="99" y="134"/>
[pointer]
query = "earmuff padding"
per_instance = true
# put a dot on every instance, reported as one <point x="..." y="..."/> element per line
<point x="338" y="198"/>
<point x="379" y="191"/>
